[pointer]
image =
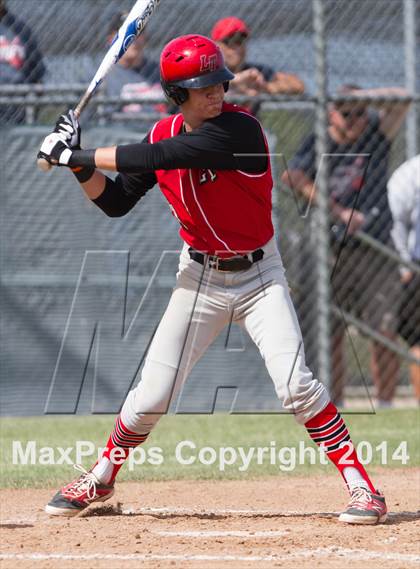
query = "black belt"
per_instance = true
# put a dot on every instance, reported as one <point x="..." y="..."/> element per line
<point x="230" y="265"/>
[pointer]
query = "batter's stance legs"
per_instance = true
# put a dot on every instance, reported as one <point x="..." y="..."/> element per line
<point x="189" y="325"/>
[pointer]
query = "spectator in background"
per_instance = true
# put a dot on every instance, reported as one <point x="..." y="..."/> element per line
<point x="404" y="201"/>
<point x="20" y="59"/>
<point x="134" y="75"/>
<point x="363" y="281"/>
<point x="231" y="34"/>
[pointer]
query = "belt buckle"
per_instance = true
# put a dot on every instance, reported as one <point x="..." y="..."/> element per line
<point x="213" y="263"/>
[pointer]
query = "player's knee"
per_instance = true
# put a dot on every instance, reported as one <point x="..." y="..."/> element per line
<point x="150" y="400"/>
<point x="296" y="387"/>
<point x="303" y="396"/>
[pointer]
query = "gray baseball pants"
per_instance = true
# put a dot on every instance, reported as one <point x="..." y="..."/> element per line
<point x="203" y="302"/>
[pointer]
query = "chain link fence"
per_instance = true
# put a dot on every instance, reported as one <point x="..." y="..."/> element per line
<point x="333" y="152"/>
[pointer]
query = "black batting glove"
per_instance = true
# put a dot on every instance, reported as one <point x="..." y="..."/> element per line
<point x="69" y="128"/>
<point x="55" y="150"/>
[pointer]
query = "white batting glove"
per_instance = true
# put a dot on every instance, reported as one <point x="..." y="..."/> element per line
<point x="68" y="126"/>
<point x="55" y="150"/>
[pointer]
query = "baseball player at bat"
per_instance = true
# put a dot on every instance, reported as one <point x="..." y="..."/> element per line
<point x="211" y="162"/>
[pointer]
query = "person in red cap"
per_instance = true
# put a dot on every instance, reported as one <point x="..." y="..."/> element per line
<point x="231" y="35"/>
<point x="212" y="164"/>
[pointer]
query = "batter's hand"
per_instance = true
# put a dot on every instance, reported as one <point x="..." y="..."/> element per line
<point x="68" y="126"/>
<point x="55" y="150"/>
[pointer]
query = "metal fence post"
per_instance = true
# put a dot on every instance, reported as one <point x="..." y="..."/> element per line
<point x="322" y="225"/>
<point x="410" y="74"/>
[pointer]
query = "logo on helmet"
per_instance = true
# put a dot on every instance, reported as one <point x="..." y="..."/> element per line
<point x="208" y="63"/>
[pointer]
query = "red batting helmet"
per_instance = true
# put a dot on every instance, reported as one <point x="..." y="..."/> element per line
<point x="191" y="62"/>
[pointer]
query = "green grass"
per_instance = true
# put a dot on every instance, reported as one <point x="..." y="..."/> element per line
<point x="392" y="426"/>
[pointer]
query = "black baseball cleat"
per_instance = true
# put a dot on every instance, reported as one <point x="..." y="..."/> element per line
<point x="79" y="494"/>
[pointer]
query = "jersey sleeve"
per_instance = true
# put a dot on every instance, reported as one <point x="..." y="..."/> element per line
<point x="231" y="141"/>
<point x="266" y="71"/>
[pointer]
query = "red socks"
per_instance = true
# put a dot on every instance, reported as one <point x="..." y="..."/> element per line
<point x="327" y="429"/>
<point x="117" y="450"/>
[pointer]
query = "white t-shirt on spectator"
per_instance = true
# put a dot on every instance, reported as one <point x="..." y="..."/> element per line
<point x="404" y="201"/>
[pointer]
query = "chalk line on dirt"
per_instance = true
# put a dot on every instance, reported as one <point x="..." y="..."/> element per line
<point x="359" y="554"/>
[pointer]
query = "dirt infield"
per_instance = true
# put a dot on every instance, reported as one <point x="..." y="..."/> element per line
<point x="275" y="522"/>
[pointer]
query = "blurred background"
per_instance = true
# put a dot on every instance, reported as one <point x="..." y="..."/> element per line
<point x="81" y="294"/>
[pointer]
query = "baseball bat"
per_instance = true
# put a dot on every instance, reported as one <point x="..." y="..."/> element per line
<point x="132" y="27"/>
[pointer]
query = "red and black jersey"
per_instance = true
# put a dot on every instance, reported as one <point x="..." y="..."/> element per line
<point x="223" y="211"/>
<point x="217" y="180"/>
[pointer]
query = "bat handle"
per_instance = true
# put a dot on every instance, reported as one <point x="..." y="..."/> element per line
<point x="81" y="105"/>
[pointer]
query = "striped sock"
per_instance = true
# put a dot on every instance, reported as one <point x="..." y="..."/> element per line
<point x="328" y="429"/>
<point x="116" y="452"/>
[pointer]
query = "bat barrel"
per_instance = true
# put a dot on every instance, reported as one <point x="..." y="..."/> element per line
<point x="139" y="14"/>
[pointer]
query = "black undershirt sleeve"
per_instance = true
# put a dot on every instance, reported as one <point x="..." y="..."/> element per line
<point x="122" y="194"/>
<point x="231" y="141"/>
